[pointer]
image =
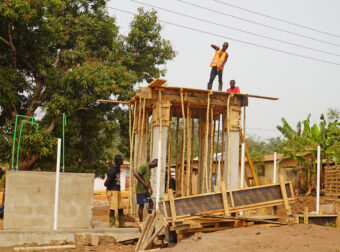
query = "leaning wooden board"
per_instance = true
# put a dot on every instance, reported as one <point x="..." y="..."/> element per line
<point x="238" y="200"/>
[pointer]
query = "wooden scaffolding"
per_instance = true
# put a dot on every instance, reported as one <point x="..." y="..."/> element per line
<point x="182" y="124"/>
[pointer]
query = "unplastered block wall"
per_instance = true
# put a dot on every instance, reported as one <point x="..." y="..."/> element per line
<point x="30" y="196"/>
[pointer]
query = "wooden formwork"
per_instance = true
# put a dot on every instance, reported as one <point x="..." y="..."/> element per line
<point x="332" y="181"/>
<point x="200" y="116"/>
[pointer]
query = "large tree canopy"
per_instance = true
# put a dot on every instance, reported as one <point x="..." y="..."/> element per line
<point x="61" y="56"/>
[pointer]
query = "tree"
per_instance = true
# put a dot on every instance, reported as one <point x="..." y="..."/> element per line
<point x="61" y="56"/>
<point x="301" y="145"/>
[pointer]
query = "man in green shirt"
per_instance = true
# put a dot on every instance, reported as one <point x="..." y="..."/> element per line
<point x="143" y="187"/>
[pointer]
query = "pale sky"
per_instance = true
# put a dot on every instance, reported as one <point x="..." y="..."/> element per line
<point x="303" y="86"/>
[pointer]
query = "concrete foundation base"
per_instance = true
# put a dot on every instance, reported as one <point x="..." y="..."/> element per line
<point x="14" y="238"/>
<point x="30" y="196"/>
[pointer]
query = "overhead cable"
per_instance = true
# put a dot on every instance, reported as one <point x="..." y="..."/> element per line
<point x="277" y="19"/>
<point x="237" y="40"/>
<point x="261" y="24"/>
<point x="236" y="29"/>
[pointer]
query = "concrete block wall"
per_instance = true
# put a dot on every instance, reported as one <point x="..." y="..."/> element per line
<point x="30" y="195"/>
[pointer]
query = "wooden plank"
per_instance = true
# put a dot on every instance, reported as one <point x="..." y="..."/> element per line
<point x="224" y="199"/>
<point x="284" y="194"/>
<point x="242" y="199"/>
<point x="115" y="102"/>
<point x="157" y="82"/>
<point x="305" y="215"/>
<point x="183" y="144"/>
<point x="172" y="205"/>
<point x="146" y="224"/>
<point x="250" y="162"/>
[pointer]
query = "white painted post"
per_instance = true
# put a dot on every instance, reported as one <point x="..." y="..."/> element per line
<point x="56" y="194"/>
<point x="242" y="166"/>
<point x="218" y="178"/>
<point x="274" y="175"/>
<point x="318" y="182"/>
<point x="159" y="171"/>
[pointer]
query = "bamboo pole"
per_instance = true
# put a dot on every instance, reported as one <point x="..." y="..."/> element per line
<point x="211" y="146"/>
<point x="169" y="155"/>
<point x="131" y="135"/>
<point x="136" y="155"/>
<point x="192" y="147"/>
<point x="200" y="137"/>
<point x="147" y="128"/>
<point x="151" y="142"/>
<point x="188" y="169"/>
<point x="206" y="145"/>
<point x="222" y="151"/>
<point x="160" y="154"/>
<point x="141" y="143"/>
<point x="177" y="168"/>
<point x="244" y="122"/>
<point x="183" y="145"/>
<point x="218" y="136"/>
<point x="228" y="140"/>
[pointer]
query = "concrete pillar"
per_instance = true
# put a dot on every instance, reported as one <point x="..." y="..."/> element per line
<point x="155" y="151"/>
<point x="234" y="159"/>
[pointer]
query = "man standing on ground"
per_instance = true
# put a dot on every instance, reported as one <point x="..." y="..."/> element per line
<point x="233" y="88"/>
<point x="113" y="193"/>
<point x="143" y="187"/>
<point x="217" y="65"/>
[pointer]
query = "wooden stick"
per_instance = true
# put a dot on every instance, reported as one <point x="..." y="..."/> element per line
<point x="284" y="195"/>
<point x="160" y="162"/>
<point x="250" y="162"/>
<point x="110" y="101"/>
<point x="169" y="155"/>
<point x="146" y="224"/>
<point x="147" y="129"/>
<point x="205" y="164"/>
<point x="176" y="148"/>
<point x="305" y="215"/>
<point x="211" y="147"/>
<point x="244" y="121"/>
<point x="183" y="145"/>
<point x="192" y="148"/>
<point x="228" y="140"/>
<point x="142" y="134"/>
<point x="172" y="205"/>
<point x="217" y="146"/>
<point x="222" y="151"/>
<point x="224" y="199"/>
<point x="151" y="142"/>
<point x="131" y="135"/>
<point x="199" y="155"/>
<point x="188" y="169"/>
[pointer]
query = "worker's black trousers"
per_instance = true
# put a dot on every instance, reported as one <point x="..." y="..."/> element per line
<point x="213" y="74"/>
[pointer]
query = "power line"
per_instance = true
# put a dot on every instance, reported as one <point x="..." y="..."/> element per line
<point x="236" y="29"/>
<point x="237" y="40"/>
<point x="278" y="19"/>
<point x="261" y="24"/>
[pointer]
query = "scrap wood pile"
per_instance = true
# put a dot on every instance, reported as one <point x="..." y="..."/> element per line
<point x="217" y="211"/>
<point x="153" y="226"/>
<point x="210" y="223"/>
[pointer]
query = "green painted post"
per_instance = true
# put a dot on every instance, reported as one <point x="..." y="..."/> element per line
<point x="36" y="130"/>
<point x="15" y="130"/>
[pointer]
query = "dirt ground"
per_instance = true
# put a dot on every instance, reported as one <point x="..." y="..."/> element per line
<point x="298" y="237"/>
<point x="284" y="238"/>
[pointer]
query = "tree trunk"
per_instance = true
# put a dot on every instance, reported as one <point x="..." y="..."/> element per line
<point x="28" y="162"/>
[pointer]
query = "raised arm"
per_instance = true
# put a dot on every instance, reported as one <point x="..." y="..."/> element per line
<point x="215" y="47"/>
